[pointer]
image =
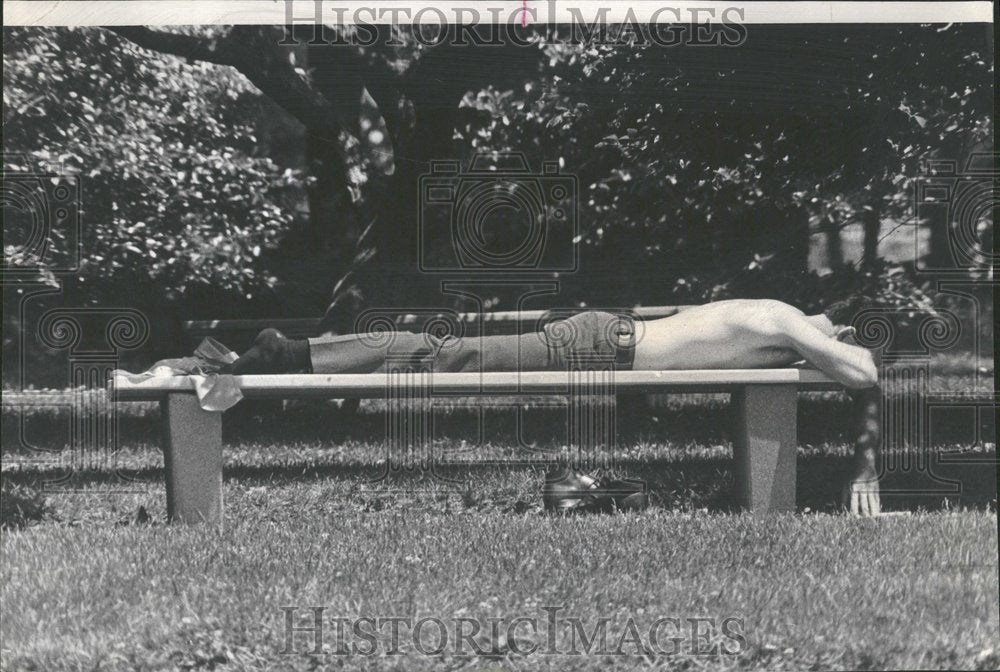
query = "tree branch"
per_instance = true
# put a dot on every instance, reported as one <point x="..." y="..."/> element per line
<point x="255" y="53"/>
<point x="213" y="50"/>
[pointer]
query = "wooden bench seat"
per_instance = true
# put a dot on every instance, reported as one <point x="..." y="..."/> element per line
<point x="764" y="404"/>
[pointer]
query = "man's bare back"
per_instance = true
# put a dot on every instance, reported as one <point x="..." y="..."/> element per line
<point x="749" y="334"/>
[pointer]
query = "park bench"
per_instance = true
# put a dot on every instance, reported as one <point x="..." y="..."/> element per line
<point x="764" y="406"/>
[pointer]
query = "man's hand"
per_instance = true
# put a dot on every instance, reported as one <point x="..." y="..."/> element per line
<point x="861" y="494"/>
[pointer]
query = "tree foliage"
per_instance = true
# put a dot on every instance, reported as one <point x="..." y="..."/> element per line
<point x="711" y="169"/>
<point x="176" y="192"/>
<point x="704" y="171"/>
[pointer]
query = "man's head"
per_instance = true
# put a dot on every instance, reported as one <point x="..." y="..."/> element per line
<point x="843" y="312"/>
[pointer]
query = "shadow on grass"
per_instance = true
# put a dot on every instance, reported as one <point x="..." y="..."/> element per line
<point x="681" y="419"/>
<point x="684" y="485"/>
<point x="654" y="443"/>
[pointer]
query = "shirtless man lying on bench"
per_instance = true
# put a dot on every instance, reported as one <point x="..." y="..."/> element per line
<point x="736" y="334"/>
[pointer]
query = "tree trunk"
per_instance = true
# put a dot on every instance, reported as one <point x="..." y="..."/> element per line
<point x="938" y="240"/>
<point x="328" y="206"/>
<point x="872" y="222"/>
<point x="834" y="245"/>
<point x="796" y="246"/>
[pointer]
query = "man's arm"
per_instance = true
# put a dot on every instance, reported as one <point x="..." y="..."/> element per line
<point x="855" y="367"/>
<point x="850" y="365"/>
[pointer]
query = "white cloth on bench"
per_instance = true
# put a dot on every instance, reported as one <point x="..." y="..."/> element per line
<point x="216" y="391"/>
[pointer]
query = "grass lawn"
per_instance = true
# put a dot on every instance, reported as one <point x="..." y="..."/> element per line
<point x="689" y="584"/>
<point x="808" y="592"/>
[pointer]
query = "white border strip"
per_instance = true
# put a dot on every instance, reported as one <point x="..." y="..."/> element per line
<point x="276" y="12"/>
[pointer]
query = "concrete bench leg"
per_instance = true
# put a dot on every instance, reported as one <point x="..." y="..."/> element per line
<point x="764" y="446"/>
<point x="192" y="450"/>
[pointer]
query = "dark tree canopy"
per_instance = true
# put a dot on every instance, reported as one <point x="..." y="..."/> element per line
<point x="246" y="162"/>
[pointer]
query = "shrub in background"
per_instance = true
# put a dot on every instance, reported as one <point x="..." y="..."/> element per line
<point x="21" y="505"/>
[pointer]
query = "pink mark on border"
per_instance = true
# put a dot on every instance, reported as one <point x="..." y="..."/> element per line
<point x="524" y="13"/>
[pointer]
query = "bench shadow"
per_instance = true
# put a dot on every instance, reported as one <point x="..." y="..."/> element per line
<point x="691" y="419"/>
<point x="947" y="480"/>
<point x="932" y="480"/>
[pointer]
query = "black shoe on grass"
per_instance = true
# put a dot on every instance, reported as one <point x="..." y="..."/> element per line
<point x="571" y="491"/>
